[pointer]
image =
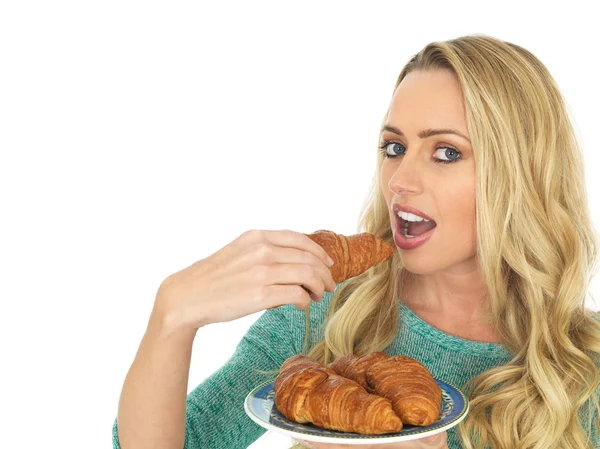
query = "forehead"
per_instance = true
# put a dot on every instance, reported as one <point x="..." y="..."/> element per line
<point x="428" y="100"/>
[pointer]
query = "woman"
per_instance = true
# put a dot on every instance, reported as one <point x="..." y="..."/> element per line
<point x="489" y="293"/>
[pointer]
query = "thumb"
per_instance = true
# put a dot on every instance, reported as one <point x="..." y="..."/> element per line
<point x="437" y="441"/>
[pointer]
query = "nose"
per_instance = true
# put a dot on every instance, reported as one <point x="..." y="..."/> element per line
<point x="407" y="178"/>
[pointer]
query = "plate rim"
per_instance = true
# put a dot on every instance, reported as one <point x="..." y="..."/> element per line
<point x="368" y="439"/>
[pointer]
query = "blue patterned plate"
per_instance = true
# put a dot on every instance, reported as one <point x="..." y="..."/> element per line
<point x="260" y="407"/>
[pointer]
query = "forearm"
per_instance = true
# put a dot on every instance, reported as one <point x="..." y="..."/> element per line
<point x="152" y="406"/>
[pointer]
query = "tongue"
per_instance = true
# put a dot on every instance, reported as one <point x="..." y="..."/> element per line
<point x="420" y="227"/>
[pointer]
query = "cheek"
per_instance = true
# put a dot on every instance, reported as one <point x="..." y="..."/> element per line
<point x="464" y="221"/>
<point x="457" y="209"/>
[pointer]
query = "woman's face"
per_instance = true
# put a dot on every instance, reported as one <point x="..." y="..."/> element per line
<point x="414" y="173"/>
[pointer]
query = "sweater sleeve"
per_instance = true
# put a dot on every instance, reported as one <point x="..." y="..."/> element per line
<point x="215" y="416"/>
<point x="594" y="437"/>
<point x="592" y="411"/>
<point x="589" y="417"/>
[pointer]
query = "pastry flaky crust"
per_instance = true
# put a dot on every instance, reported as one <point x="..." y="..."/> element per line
<point x="354" y="254"/>
<point x="415" y="395"/>
<point x="308" y="391"/>
<point x="355" y="368"/>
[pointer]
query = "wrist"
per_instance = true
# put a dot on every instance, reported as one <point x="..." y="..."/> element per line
<point x="168" y="320"/>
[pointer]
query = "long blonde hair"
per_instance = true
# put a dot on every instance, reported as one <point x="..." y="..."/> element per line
<point x="536" y="246"/>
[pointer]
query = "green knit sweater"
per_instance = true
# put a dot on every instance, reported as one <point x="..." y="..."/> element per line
<point x="215" y="409"/>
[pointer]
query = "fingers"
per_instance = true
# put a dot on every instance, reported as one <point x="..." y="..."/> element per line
<point x="278" y="295"/>
<point x="279" y="267"/>
<point x="273" y="264"/>
<point x="312" y="445"/>
<point x="437" y="441"/>
<point x="309" y="445"/>
<point x="299" y="256"/>
<point x="298" y="264"/>
<point x="324" y="445"/>
<point x="293" y="239"/>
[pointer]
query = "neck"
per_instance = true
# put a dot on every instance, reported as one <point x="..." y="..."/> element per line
<point x="457" y="294"/>
<point x="454" y="302"/>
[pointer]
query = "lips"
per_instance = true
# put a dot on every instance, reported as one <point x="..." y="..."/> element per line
<point x="411" y="210"/>
<point x="406" y="243"/>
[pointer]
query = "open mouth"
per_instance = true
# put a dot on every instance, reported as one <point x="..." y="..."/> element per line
<point x="411" y="229"/>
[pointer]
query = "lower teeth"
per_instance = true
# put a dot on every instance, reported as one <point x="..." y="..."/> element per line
<point x="405" y="232"/>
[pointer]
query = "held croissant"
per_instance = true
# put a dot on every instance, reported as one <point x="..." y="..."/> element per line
<point x="307" y="391"/>
<point x="354" y="254"/>
<point x="415" y="395"/>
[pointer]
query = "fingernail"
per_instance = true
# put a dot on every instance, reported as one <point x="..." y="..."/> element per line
<point x="330" y="261"/>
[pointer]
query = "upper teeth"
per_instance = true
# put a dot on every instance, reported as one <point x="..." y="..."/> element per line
<point x="410" y="217"/>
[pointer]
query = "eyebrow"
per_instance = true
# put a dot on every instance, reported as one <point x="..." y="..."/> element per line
<point x="426" y="132"/>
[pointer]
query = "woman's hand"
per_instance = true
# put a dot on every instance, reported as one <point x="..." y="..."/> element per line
<point x="437" y="441"/>
<point x="258" y="270"/>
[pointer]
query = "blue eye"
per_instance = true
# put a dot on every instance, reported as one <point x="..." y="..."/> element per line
<point x="395" y="147"/>
<point x="449" y="153"/>
<point x="445" y="154"/>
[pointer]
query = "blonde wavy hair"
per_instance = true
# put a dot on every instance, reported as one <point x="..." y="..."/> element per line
<point x="536" y="245"/>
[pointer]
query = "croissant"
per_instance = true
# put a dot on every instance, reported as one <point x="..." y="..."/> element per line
<point x="355" y="368"/>
<point x="415" y="395"/>
<point x="307" y="391"/>
<point x="354" y="254"/>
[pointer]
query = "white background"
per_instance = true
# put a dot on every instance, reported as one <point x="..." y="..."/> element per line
<point x="139" y="137"/>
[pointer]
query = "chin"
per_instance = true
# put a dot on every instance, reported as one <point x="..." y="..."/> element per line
<point x="420" y="264"/>
<point x="425" y="264"/>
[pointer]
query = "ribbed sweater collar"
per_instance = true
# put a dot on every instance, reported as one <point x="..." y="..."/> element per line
<point x="414" y="323"/>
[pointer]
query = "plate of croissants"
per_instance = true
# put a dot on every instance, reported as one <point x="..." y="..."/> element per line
<point x="373" y="398"/>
